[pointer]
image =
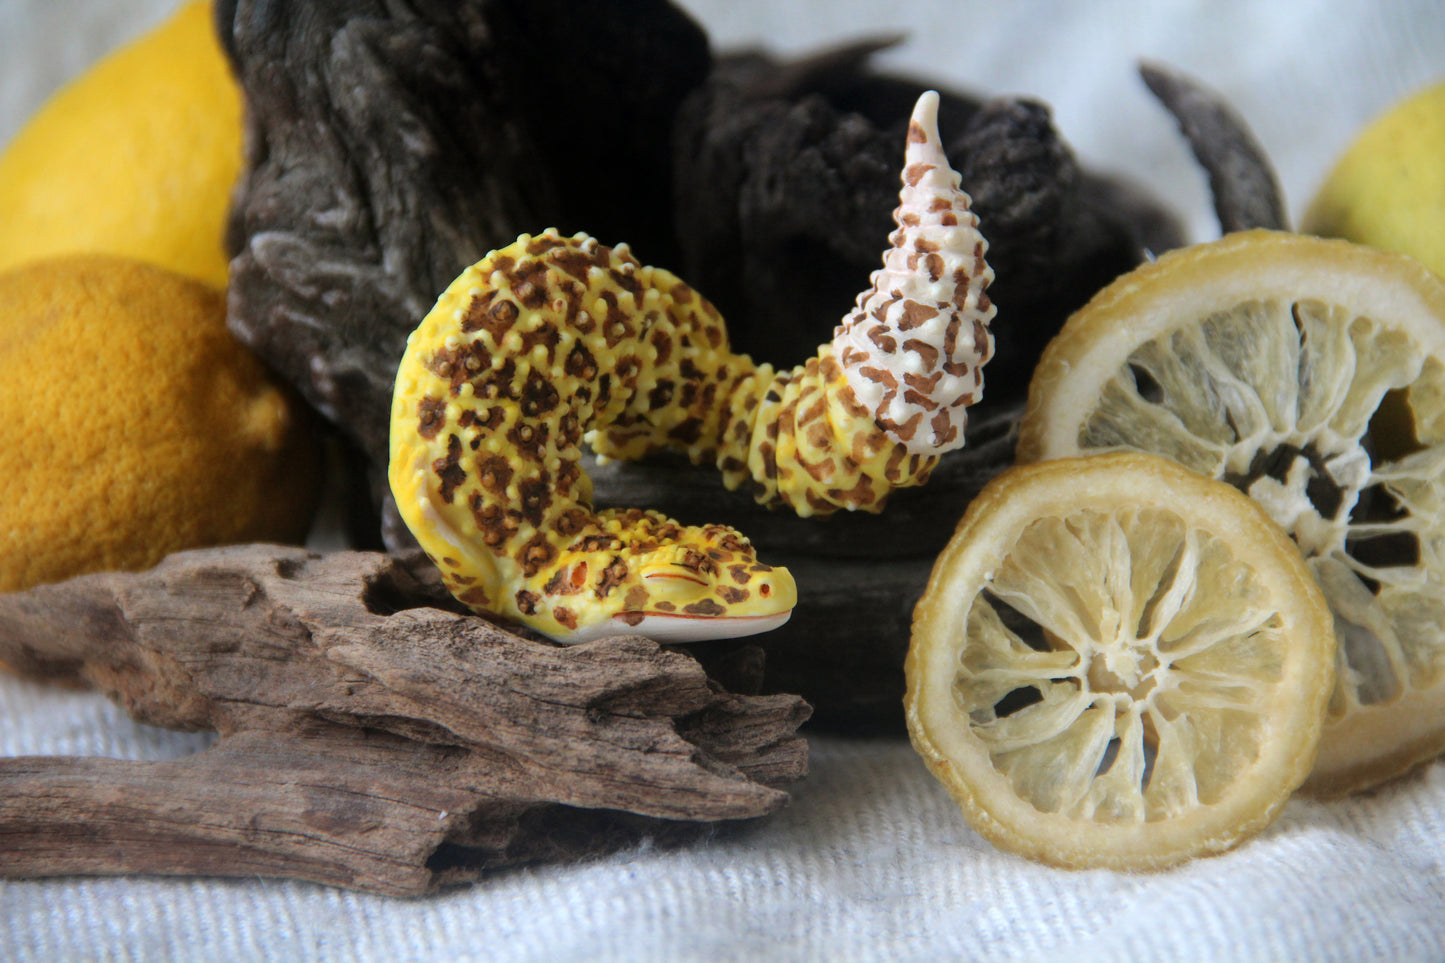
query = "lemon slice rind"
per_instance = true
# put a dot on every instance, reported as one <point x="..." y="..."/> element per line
<point x="1360" y="336"/>
<point x="1185" y="758"/>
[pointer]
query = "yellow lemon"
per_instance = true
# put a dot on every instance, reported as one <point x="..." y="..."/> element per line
<point x="1388" y="190"/>
<point x="136" y="157"/>
<point x="135" y="424"/>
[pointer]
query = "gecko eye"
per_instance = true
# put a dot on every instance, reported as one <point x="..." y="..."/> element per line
<point x="670" y="581"/>
<point x="672" y="572"/>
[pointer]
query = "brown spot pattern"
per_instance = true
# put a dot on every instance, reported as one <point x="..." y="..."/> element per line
<point x="494" y="473"/>
<point x="612" y="576"/>
<point x="536" y="554"/>
<point x="539" y="396"/>
<point x="637" y="598"/>
<point x="585" y="357"/>
<point x="431" y="417"/>
<point x="449" y="470"/>
<point x="494" y="317"/>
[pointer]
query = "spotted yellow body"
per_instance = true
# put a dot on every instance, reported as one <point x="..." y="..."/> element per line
<point x="555" y="341"/>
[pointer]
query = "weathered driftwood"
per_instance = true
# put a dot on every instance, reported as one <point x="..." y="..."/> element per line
<point x="1241" y="178"/>
<point x="366" y="738"/>
<point x="786" y="173"/>
<point x="390" y="145"/>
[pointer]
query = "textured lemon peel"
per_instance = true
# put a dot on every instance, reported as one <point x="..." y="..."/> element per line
<point x="1217" y="748"/>
<point x="166" y="112"/>
<point x="1364" y="334"/>
<point x="1388" y="188"/>
<point x="136" y="425"/>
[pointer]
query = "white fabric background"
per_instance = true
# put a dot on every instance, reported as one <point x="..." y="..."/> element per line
<point x="872" y="860"/>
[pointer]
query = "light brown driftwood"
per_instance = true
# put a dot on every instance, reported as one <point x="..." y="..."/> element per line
<point x="367" y="738"/>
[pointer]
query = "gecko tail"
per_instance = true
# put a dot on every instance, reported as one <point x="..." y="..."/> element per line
<point x="914" y="346"/>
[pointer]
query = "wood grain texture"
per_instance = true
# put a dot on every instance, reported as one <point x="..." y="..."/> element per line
<point x="368" y="736"/>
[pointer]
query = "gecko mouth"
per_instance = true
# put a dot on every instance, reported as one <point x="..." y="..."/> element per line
<point x="670" y="627"/>
<point x="673" y="577"/>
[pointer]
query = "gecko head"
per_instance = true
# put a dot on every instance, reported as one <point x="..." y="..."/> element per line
<point x="707" y="585"/>
<point x="688" y="605"/>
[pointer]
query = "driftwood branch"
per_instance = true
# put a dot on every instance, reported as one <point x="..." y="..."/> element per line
<point x="368" y="738"/>
<point x="1241" y="178"/>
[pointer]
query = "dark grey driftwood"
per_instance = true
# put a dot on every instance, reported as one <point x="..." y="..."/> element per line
<point x="366" y="739"/>
<point x="786" y="173"/>
<point x="1241" y="178"/>
<point x="392" y="144"/>
<point x="389" y="145"/>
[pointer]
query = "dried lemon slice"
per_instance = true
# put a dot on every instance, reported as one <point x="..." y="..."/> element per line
<point x="1310" y="374"/>
<point x="1118" y="663"/>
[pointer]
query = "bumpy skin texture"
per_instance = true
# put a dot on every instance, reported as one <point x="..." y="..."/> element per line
<point x="554" y="340"/>
<point x="524" y="354"/>
<point x="914" y="347"/>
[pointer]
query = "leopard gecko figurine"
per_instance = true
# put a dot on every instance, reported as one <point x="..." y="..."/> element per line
<point x="553" y="341"/>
